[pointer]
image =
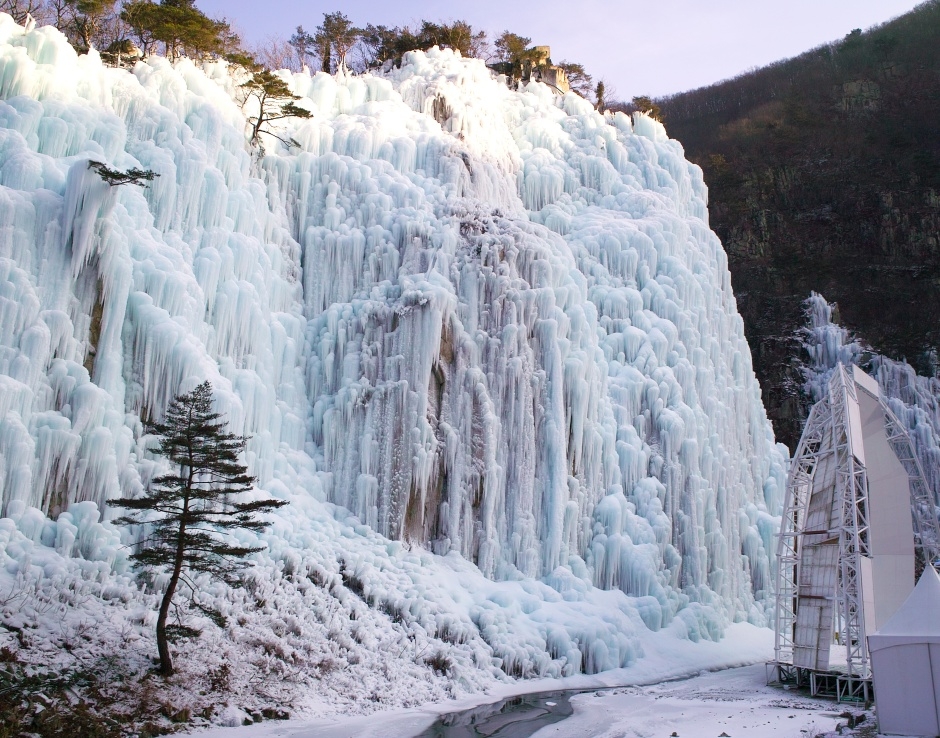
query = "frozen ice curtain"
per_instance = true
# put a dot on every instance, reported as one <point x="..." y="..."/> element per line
<point x="488" y="323"/>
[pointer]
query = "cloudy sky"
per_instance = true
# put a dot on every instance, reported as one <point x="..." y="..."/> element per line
<point x="640" y="47"/>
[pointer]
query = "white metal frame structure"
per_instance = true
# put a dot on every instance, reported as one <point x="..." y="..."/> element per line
<point x="823" y="552"/>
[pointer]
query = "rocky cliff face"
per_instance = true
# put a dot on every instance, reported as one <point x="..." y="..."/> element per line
<point x="824" y="174"/>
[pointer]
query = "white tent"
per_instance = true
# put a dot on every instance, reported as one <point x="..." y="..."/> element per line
<point x="905" y="659"/>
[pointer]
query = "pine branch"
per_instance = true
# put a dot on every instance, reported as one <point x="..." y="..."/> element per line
<point x="115" y="177"/>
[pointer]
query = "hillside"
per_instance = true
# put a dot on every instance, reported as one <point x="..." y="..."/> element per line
<point x="824" y="174"/>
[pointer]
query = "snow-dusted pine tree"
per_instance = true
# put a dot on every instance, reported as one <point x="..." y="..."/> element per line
<point x="190" y="508"/>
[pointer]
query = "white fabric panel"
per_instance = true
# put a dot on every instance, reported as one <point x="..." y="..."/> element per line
<point x="891" y="532"/>
<point x="855" y="429"/>
<point x="905" y="694"/>
<point x="934" y="650"/>
<point x="905" y="658"/>
<point x="917" y="620"/>
<point x="893" y="581"/>
<point x="816" y="590"/>
<point x="865" y="381"/>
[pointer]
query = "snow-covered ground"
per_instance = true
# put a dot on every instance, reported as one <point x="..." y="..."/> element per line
<point x="651" y="700"/>
<point x="735" y="703"/>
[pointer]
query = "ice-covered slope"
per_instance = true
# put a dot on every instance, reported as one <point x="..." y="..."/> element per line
<point x="915" y="399"/>
<point x="493" y="325"/>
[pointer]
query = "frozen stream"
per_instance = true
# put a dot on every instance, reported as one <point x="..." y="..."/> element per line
<point x="515" y="717"/>
<point x="730" y="703"/>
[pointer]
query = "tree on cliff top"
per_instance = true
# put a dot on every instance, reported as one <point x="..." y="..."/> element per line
<point x="382" y="44"/>
<point x="514" y="50"/>
<point x="179" y="26"/>
<point x="189" y="509"/>
<point x="580" y="81"/>
<point x="334" y="38"/>
<point x="304" y="45"/>
<point x="85" y="19"/>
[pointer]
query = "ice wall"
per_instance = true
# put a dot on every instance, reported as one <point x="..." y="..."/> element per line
<point x="484" y="321"/>
<point x="914" y="399"/>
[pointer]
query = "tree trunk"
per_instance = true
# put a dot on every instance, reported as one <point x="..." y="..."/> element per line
<point x="256" y="129"/>
<point x="163" y="647"/>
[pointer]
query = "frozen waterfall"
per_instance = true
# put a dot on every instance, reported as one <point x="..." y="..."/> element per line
<point x="483" y="322"/>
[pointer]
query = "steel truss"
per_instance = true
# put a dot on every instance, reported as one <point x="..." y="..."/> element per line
<point x="852" y="492"/>
<point x="813" y="446"/>
<point x="829" y="431"/>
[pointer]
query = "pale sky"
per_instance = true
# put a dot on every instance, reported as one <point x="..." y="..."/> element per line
<point x="640" y="47"/>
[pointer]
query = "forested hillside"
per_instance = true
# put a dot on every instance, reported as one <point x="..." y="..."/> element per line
<point x="824" y="174"/>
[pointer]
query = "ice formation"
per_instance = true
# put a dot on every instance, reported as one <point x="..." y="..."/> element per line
<point x="491" y="324"/>
<point x="914" y="399"/>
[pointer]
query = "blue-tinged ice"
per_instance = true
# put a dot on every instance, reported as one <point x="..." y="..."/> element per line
<point x="491" y="324"/>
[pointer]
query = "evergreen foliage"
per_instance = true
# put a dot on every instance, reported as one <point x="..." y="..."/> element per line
<point x="647" y="105"/>
<point x="383" y="44"/>
<point x="600" y="92"/>
<point x="459" y="36"/>
<point x="579" y="80"/>
<point x="304" y="44"/>
<point x="178" y="28"/>
<point x="334" y="38"/>
<point x="514" y="51"/>
<point x="87" y="18"/>
<point x="275" y="102"/>
<point x="389" y="44"/>
<point x="115" y="177"/>
<point x="188" y="510"/>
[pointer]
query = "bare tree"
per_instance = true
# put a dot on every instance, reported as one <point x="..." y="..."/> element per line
<point x="277" y="53"/>
<point x="22" y="10"/>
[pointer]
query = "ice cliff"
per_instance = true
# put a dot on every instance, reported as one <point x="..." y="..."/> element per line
<point x="491" y="325"/>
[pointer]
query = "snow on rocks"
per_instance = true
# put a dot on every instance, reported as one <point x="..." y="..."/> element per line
<point x="483" y="340"/>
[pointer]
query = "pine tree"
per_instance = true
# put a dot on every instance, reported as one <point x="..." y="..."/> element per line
<point x="601" y="92"/>
<point x="646" y="105"/>
<point x="87" y="17"/>
<point x="381" y="44"/>
<point x="275" y="102"/>
<point x="304" y="44"/>
<point x="189" y="509"/>
<point x="458" y="35"/>
<point x="579" y="80"/>
<point x="335" y="37"/>
<point x="513" y="50"/>
<point x="116" y="178"/>
<point x="179" y="26"/>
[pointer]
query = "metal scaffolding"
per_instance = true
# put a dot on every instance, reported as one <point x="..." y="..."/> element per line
<point x="823" y="553"/>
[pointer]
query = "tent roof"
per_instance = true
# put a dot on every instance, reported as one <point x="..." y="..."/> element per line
<point x="918" y="615"/>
